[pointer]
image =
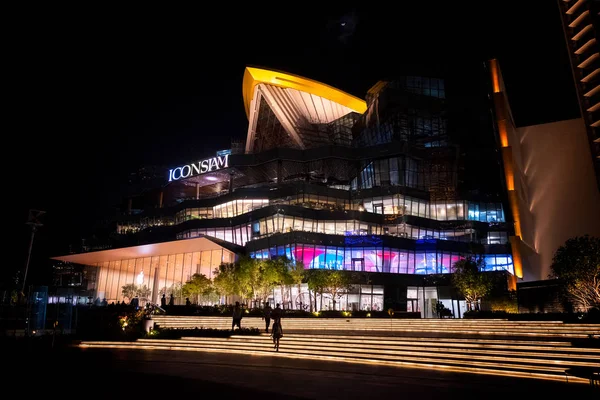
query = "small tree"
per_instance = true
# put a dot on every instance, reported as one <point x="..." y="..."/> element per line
<point x="296" y="274"/>
<point x="269" y="278"/>
<point x="287" y="273"/>
<point x="225" y="280"/>
<point x="256" y="278"/>
<point x="132" y="290"/>
<point x="197" y="287"/>
<point x="315" y="280"/>
<point x="143" y="292"/>
<point x="332" y="282"/>
<point x="129" y="291"/>
<point x="470" y="281"/>
<point x="577" y="264"/>
<point x="248" y="277"/>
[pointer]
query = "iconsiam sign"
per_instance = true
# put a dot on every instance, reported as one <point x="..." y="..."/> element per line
<point x="199" y="168"/>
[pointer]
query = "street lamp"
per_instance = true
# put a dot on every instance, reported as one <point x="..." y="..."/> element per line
<point x="34" y="222"/>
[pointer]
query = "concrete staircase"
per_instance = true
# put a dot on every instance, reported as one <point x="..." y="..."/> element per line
<point x="548" y="329"/>
<point x="542" y="351"/>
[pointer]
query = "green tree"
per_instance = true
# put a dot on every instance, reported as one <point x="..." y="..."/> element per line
<point x="256" y="278"/>
<point x="225" y="282"/>
<point x="470" y="280"/>
<point x="315" y="279"/>
<point x="297" y="274"/>
<point x="338" y="283"/>
<point x="132" y="290"/>
<point x="129" y="291"/>
<point x="281" y="267"/>
<point x="197" y="287"/>
<point x="210" y="296"/>
<point x="577" y="264"/>
<point x="143" y="292"/>
<point x="269" y="275"/>
<point x="175" y="289"/>
<point x="331" y="282"/>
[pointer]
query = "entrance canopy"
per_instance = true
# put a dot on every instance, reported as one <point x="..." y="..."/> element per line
<point x="147" y="250"/>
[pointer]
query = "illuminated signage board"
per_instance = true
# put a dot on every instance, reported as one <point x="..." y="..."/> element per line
<point x="199" y="168"/>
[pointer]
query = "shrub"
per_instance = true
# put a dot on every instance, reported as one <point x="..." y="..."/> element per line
<point x="178" y="333"/>
<point x="485" y="314"/>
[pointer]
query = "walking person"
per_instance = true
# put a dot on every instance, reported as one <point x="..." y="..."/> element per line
<point x="267" y="316"/>
<point x="237" y="316"/>
<point x="277" y="331"/>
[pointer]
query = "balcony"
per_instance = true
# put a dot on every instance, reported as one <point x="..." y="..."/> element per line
<point x="574" y="9"/>
<point x="589" y="61"/>
<point x="588" y="45"/>
<point x="591" y="75"/>
<point x="582" y="32"/>
<point x="592" y="92"/>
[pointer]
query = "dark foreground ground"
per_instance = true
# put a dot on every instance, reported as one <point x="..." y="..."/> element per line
<point x="134" y="374"/>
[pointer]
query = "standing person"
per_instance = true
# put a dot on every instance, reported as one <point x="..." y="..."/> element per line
<point x="171" y="300"/>
<point x="163" y="301"/>
<point x="277" y="332"/>
<point x="237" y="316"/>
<point x="267" y="316"/>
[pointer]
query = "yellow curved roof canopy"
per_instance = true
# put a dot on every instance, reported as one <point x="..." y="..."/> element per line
<point x="255" y="76"/>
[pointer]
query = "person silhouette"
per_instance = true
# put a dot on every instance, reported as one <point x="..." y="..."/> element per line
<point x="163" y="301"/>
<point x="267" y="316"/>
<point x="236" y="316"/>
<point x="277" y="332"/>
<point x="171" y="300"/>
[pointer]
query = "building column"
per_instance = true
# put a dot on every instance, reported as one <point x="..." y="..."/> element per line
<point x="197" y="191"/>
<point x="160" y="199"/>
<point x="155" y="284"/>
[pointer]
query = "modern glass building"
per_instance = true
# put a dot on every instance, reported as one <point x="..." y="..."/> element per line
<point x="327" y="179"/>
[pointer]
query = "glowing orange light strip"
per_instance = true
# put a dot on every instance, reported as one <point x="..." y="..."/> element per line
<point x="414" y="362"/>
<point x="507" y="160"/>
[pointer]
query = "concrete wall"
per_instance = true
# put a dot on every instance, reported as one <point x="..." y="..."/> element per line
<point x="555" y="164"/>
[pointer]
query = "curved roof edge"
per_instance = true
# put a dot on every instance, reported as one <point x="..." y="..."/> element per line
<point x="254" y="76"/>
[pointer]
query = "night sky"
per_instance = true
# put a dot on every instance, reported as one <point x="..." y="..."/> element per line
<point x="100" y="92"/>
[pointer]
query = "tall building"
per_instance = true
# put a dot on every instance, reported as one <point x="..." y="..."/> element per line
<point x="551" y="187"/>
<point x="581" y="24"/>
<point x="383" y="186"/>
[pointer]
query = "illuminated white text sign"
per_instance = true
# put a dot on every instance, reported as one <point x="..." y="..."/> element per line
<point x="199" y="168"/>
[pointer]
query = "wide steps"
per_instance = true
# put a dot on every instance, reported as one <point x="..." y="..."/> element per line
<point x="533" y="359"/>
<point x="449" y="326"/>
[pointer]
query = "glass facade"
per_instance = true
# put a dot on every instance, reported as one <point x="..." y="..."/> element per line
<point x="391" y="205"/>
<point x="391" y="173"/>
<point x="226" y="210"/>
<point x="403" y="171"/>
<point x="379" y="259"/>
<point x="359" y="297"/>
<point x="265" y="227"/>
<point x="148" y="278"/>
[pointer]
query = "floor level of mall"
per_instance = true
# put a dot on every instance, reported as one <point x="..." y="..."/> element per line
<point x="149" y="271"/>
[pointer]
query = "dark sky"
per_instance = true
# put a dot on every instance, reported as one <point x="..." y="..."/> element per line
<point x="99" y="92"/>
